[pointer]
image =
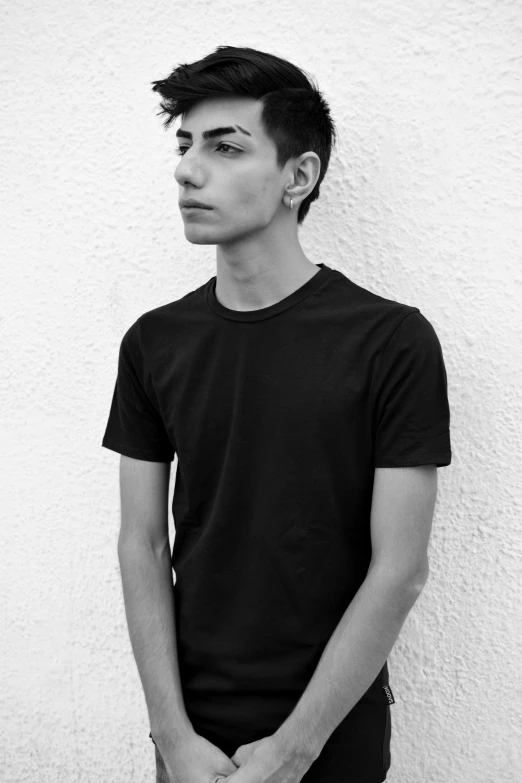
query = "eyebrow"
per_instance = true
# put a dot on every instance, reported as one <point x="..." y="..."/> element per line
<point x="211" y="134"/>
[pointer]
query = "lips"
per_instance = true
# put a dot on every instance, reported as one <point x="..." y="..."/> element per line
<point x="193" y="204"/>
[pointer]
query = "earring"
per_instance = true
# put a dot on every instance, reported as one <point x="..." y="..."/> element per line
<point x="291" y="202"/>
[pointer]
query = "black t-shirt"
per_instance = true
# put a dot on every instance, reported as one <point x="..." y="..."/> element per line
<point x="279" y="417"/>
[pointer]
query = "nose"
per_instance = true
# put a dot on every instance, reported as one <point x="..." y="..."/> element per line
<point x="187" y="172"/>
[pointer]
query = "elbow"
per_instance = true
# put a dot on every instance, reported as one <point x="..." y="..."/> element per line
<point x="409" y="579"/>
<point x="419" y="577"/>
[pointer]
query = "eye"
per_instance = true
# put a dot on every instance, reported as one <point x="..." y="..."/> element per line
<point x="181" y="150"/>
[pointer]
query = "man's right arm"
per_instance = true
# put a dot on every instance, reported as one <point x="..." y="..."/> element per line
<point x="148" y="589"/>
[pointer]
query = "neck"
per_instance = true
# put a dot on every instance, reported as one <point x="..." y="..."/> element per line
<point x="260" y="280"/>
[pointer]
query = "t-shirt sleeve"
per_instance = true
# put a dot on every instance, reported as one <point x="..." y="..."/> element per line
<point x="135" y="427"/>
<point x="411" y="415"/>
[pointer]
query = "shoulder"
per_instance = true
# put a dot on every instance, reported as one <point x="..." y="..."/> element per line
<point x="413" y="332"/>
<point x="379" y="315"/>
<point x="178" y="308"/>
<point x="159" y="326"/>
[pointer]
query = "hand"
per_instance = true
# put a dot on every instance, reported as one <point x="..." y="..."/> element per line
<point x="196" y="760"/>
<point x="267" y="761"/>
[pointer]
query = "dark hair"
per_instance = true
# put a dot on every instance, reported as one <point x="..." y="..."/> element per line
<point x="294" y="115"/>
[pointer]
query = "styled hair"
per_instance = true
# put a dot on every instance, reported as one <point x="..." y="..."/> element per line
<point x="294" y="115"/>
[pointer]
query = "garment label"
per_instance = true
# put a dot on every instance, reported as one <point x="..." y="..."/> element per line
<point x="389" y="694"/>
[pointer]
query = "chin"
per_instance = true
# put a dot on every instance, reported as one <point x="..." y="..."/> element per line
<point x="200" y="236"/>
<point x="209" y="235"/>
<point x="200" y="241"/>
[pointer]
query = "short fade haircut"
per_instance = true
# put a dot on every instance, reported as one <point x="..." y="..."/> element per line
<point x="294" y="115"/>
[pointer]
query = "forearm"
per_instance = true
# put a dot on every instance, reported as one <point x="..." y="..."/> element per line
<point x="148" y="591"/>
<point x="352" y="659"/>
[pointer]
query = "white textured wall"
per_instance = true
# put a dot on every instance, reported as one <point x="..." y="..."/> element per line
<point x="422" y="204"/>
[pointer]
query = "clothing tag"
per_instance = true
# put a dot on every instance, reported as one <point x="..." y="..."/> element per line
<point x="389" y="694"/>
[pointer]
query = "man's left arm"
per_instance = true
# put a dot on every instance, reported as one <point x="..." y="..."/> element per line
<point x="403" y="503"/>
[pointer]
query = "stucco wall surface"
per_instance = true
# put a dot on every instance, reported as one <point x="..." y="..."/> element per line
<point x="422" y="204"/>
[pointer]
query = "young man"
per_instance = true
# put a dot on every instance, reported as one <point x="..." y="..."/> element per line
<point x="309" y="416"/>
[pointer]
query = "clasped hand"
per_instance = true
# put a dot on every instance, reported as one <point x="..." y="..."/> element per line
<point x="266" y="761"/>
